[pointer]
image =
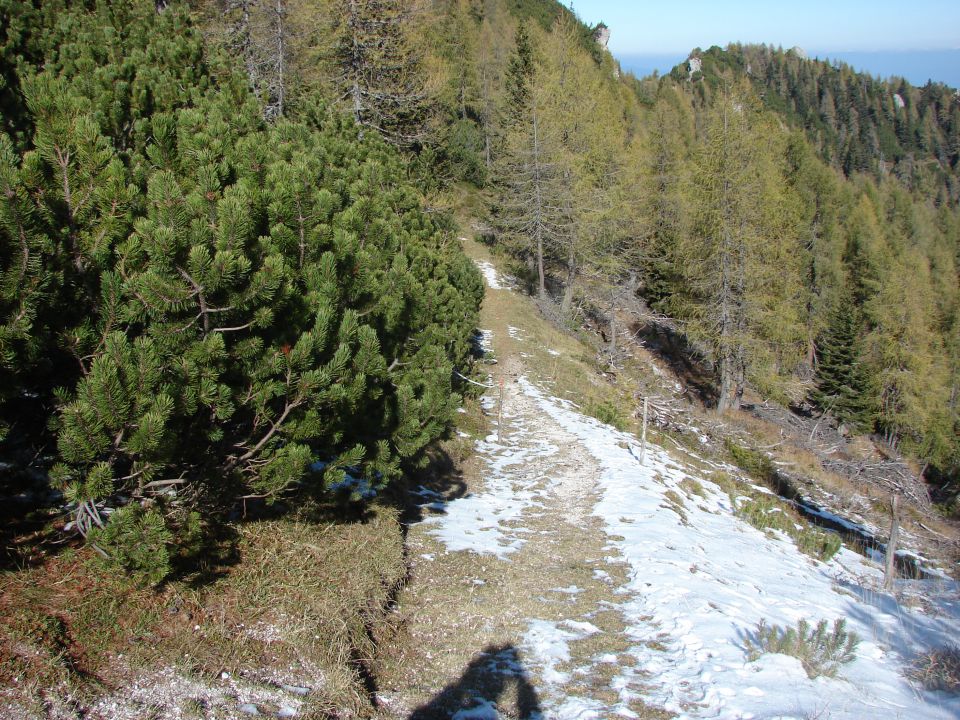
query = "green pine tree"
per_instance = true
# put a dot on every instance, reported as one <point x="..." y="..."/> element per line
<point x="842" y="382"/>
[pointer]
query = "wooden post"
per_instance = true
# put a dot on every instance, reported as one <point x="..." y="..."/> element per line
<point x="500" y="414"/>
<point x="643" y="435"/>
<point x="891" y="570"/>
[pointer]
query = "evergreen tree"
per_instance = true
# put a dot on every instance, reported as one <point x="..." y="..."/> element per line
<point x="819" y="204"/>
<point x="520" y="77"/>
<point x="663" y="200"/>
<point x="842" y="383"/>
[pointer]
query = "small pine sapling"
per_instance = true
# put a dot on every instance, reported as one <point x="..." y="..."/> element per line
<point x="820" y="651"/>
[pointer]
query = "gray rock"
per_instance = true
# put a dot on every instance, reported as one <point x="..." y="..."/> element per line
<point x="296" y="689"/>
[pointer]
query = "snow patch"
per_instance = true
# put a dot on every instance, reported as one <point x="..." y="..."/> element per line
<point x="490" y="275"/>
<point x="690" y="627"/>
<point x="482" y="522"/>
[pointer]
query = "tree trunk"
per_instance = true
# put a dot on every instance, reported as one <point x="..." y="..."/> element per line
<point x="278" y="101"/>
<point x="539" y="218"/>
<point x="567" y="304"/>
<point x="891" y="565"/>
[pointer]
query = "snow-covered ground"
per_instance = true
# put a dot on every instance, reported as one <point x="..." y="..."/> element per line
<point x="698" y="585"/>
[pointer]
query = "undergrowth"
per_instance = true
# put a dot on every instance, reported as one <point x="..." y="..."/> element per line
<point x="939" y="669"/>
<point x="819" y="650"/>
<point x="769" y="512"/>
<point x="751" y="461"/>
<point x="607" y="412"/>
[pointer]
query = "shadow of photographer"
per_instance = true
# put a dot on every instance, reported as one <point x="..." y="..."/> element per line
<point x="495" y="684"/>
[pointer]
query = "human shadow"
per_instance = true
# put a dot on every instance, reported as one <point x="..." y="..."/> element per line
<point x="494" y="684"/>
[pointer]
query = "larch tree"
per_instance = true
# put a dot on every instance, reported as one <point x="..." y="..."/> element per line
<point x="582" y="117"/>
<point x="562" y="189"/>
<point x="905" y="355"/>
<point x="377" y="73"/>
<point x="260" y="34"/>
<point x="738" y="262"/>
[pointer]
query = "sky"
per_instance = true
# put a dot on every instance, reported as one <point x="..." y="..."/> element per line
<point x="818" y="26"/>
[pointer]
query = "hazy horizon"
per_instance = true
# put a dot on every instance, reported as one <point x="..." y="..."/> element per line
<point x="821" y="25"/>
<point x="916" y="66"/>
<point x="918" y="41"/>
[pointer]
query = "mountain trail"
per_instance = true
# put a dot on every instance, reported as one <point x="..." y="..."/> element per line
<point x="517" y="586"/>
<point x="572" y="574"/>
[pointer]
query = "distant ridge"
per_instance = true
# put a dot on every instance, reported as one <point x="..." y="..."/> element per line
<point x="915" y="66"/>
<point x="859" y="123"/>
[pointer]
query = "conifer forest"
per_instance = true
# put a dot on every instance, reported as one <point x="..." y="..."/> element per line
<point x="232" y="285"/>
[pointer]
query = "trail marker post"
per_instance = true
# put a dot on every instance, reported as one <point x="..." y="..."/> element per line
<point x="891" y="569"/>
<point x="643" y="436"/>
<point x="500" y="414"/>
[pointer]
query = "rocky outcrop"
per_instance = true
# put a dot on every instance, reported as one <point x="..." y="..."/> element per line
<point x="601" y="34"/>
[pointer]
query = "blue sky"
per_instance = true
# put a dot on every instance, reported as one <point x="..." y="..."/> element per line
<point x="818" y="26"/>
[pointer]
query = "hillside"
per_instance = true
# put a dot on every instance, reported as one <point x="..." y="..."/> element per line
<point x="573" y="572"/>
<point x="269" y="446"/>
<point x="858" y="123"/>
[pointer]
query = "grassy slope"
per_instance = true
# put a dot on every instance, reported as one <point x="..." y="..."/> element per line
<point x="302" y="604"/>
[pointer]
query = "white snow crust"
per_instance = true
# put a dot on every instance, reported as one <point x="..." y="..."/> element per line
<point x="698" y="588"/>
<point x="490" y="275"/>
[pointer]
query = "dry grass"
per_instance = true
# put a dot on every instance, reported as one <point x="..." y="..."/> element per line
<point x="304" y="606"/>
<point x="61" y="621"/>
<point x="939" y="669"/>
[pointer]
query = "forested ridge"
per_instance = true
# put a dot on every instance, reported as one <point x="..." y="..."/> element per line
<point x="229" y="271"/>
<point x="858" y="123"/>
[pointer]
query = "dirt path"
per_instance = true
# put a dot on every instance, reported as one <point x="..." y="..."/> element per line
<point x="501" y="633"/>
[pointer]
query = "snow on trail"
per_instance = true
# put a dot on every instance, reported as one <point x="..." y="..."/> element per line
<point x="478" y="522"/>
<point x="698" y="585"/>
<point x="490" y="275"/>
<point x="697" y="588"/>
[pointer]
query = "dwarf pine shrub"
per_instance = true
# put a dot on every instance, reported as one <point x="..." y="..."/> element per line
<point x="607" y="412"/>
<point x="207" y="306"/>
<point x="820" y="651"/>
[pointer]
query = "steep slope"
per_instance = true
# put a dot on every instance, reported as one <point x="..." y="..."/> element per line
<point x="577" y="574"/>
